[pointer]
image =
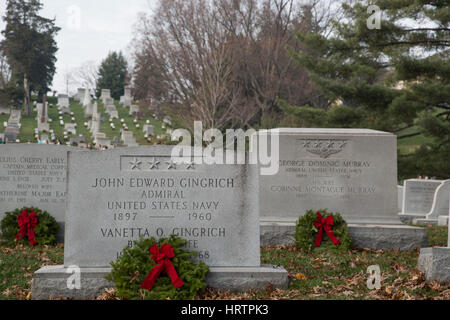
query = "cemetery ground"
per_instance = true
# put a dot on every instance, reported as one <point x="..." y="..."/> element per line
<point x="318" y="275"/>
<point x="29" y="123"/>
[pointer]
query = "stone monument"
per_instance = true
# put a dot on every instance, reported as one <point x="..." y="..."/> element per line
<point x="125" y="194"/>
<point x="349" y="171"/>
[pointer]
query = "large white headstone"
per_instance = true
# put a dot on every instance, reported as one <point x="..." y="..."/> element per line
<point x="128" y="193"/>
<point x="350" y="171"/>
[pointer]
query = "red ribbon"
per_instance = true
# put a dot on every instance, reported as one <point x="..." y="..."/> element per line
<point x="27" y="223"/>
<point x="324" y="224"/>
<point x="163" y="265"/>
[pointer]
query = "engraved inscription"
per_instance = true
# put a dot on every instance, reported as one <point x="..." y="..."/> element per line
<point x="324" y="148"/>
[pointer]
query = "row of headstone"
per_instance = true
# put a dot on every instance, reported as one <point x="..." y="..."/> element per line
<point x="425" y="201"/>
<point x="35" y="176"/>
<point x="349" y="171"/>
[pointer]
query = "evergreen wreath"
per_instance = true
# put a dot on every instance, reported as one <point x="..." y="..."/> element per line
<point x="45" y="229"/>
<point x="131" y="269"/>
<point x="306" y="232"/>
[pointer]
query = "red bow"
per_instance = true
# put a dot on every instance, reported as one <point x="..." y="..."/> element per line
<point x="27" y="223"/>
<point x="324" y="224"/>
<point x="163" y="265"/>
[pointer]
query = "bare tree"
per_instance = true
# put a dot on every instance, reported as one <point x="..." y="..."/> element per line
<point x="86" y="75"/>
<point x="223" y="62"/>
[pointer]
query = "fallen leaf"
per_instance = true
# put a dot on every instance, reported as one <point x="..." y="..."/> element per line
<point x="300" y="277"/>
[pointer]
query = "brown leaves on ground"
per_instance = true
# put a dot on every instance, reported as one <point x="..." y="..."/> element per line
<point x="17" y="292"/>
<point x="109" y="294"/>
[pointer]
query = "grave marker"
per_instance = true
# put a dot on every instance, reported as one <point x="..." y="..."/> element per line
<point x="124" y="194"/>
<point x="34" y="175"/>
<point x="349" y="171"/>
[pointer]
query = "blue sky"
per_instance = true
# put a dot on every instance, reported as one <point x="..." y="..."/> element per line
<point x="89" y="29"/>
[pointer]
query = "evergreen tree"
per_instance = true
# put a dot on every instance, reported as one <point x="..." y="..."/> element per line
<point x="393" y="78"/>
<point x="30" y="46"/>
<point x="112" y="75"/>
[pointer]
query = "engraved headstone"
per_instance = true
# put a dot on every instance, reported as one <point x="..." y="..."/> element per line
<point x="34" y="176"/>
<point x="125" y="194"/>
<point x="349" y="171"/>
<point x="439" y="206"/>
<point x="418" y="197"/>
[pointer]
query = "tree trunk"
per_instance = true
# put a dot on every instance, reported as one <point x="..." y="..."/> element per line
<point x="27" y="94"/>
<point x="44" y="106"/>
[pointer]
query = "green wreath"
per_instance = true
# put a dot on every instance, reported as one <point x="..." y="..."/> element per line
<point x="45" y="230"/>
<point x="130" y="270"/>
<point x="306" y="232"/>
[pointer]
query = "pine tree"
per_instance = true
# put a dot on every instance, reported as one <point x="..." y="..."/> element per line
<point x="30" y="46"/>
<point x="112" y="75"/>
<point x="393" y="78"/>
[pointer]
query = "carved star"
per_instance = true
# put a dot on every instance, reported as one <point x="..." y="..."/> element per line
<point x="171" y="165"/>
<point x="136" y="164"/>
<point x="154" y="164"/>
<point x="330" y="145"/>
<point x="190" y="165"/>
<point x="307" y="144"/>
